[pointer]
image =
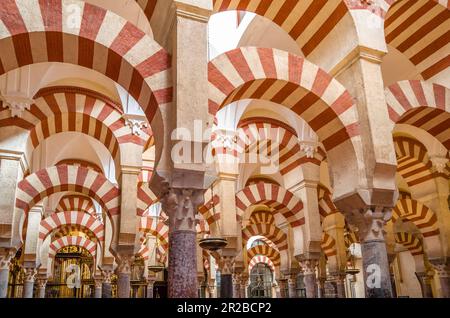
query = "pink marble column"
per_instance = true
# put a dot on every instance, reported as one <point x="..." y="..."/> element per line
<point x="106" y="285"/>
<point x="236" y="285"/>
<point x="283" y="284"/>
<point x="292" y="285"/>
<point x="181" y="206"/>
<point x="123" y="276"/>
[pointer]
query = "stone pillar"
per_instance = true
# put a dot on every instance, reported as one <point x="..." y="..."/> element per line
<point x="226" y="279"/>
<point x="292" y="285"/>
<point x="425" y="284"/>
<point x="201" y="287"/>
<point x="370" y="222"/>
<point x="211" y="288"/>
<point x="244" y="283"/>
<point x="150" y="286"/>
<point x="6" y="255"/>
<point x="321" y="291"/>
<point x="28" y="283"/>
<point x="181" y="206"/>
<point x="123" y="276"/>
<point x="309" y="277"/>
<point x="237" y="285"/>
<point x="106" y="285"/>
<point x="283" y="284"/>
<point x="339" y="281"/>
<point x="42" y="283"/>
<point x="442" y="270"/>
<point x="98" y="282"/>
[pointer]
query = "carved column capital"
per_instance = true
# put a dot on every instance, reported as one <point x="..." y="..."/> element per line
<point x="136" y="123"/>
<point x="107" y="276"/>
<point x="439" y="164"/>
<point x="309" y="266"/>
<point x="226" y="264"/>
<point x="6" y="255"/>
<point x="42" y="282"/>
<point x="370" y="222"/>
<point x="17" y="104"/>
<point x="30" y="274"/>
<point x="181" y="206"/>
<point x="125" y="263"/>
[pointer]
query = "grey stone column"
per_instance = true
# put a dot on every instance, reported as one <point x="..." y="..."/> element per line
<point x="211" y="288"/>
<point x="338" y="279"/>
<point x="292" y="285"/>
<point x="28" y="283"/>
<point x="370" y="222"/>
<point x="282" y="282"/>
<point x="244" y="283"/>
<point x="42" y="283"/>
<point x="181" y="206"/>
<point x="425" y="284"/>
<point x="6" y="255"/>
<point x="106" y="285"/>
<point x="226" y="276"/>
<point x="123" y="276"/>
<point x="150" y="285"/>
<point x="98" y="288"/>
<point x="321" y="290"/>
<point x="309" y="277"/>
<point x="236" y="285"/>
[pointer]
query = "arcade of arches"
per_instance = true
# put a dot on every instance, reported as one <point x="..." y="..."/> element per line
<point x="217" y="148"/>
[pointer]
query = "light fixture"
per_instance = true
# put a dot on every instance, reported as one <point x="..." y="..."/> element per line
<point x="158" y="266"/>
<point x="213" y="244"/>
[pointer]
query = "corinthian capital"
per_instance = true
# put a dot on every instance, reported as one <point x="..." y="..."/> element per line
<point x="6" y="255"/>
<point x="370" y="222"/>
<point x="181" y="206"/>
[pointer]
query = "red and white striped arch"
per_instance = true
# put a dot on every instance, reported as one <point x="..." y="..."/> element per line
<point x="72" y="230"/>
<point x="328" y="245"/>
<point x="77" y="32"/>
<point x="275" y="197"/>
<point x="308" y="22"/>
<point x="258" y="259"/>
<point x="145" y="198"/>
<point x="157" y="228"/>
<point x="409" y="241"/>
<point x="273" y="233"/>
<point x="289" y="80"/>
<point x="265" y="250"/>
<point x="264" y="217"/>
<point x="80" y="163"/>
<point x="326" y="205"/>
<point x="76" y="202"/>
<point x="276" y="141"/>
<point x="83" y="242"/>
<point x="207" y="210"/>
<point x="414" y="164"/>
<point x="45" y="182"/>
<point x="84" y="220"/>
<point x="419" y="30"/>
<point x="423" y="105"/>
<point x="418" y="214"/>
<point x="71" y="109"/>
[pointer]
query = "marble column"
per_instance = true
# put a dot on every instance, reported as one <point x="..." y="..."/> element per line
<point x="283" y="285"/>
<point x="98" y="282"/>
<point x="236" y="285"/>
<point x="6" y="255"/>
<point x="123" y="276"/>
<point x="150" y="286"/>
<point x="106" y="285"/>
<point x="211" y="289"/>
<point x="42" y="283"/>
<point x="201" y="287"/>
<point x="226" y="277"/>
<point x="244" y="283"/>
<point x="425" y="284"/>
<point x="181" y="206"/>
<point x="321" y="290"/>
<point x="292" y="285"/>
<point x="442" y="270"/>
<point x="309" y="277"/>
<point x="377" y="278"/>
<point x="28" y="283"/>
<point x="338" y="280"/>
